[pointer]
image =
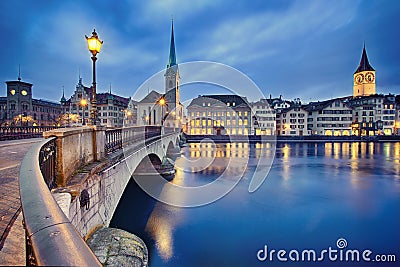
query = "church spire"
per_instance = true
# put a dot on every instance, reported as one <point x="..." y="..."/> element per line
<point x="19" y="72"/>
<point x="63" y="100"/>
<point x="172" y="55"/>
<point x="364" y="63"/>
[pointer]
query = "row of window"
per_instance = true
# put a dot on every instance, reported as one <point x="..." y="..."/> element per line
<point x="265" y="112"/>
<point x="291" y="121"/>
<point x="292" y="115"/>
<point x="209" y="122"/>
<point x="332" y="119"/>
<point x="219" y="114"/>
<point x="334" y="125"/>
<point x="266" y="118"/>
<point x="233" y="131"/>
<point x="335" y="111"/>
<point x="227" y="104"/>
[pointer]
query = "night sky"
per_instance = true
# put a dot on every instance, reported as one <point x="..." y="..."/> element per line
<point x="306" y="49"/>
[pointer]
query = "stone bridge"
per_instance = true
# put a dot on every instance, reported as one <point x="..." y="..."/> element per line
<point x="87" y="170"/>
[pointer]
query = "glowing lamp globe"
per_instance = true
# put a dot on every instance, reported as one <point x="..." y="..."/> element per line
<point x="94" y="43"/>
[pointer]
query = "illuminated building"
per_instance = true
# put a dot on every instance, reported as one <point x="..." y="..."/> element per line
<point x="219" y="115"/>
<point x="292" y="121"/>
<point x="331" y="117"/>
<point x="264" y="117"/>
<point x="111" y="108"/>
<point x="19" y="108"/>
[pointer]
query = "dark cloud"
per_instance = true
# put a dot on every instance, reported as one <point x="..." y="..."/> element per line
<point x="306" y="49"/>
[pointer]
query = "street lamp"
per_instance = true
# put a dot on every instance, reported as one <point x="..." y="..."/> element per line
<point x="162" y="102"/>
<point x="94" y="45"/>
<point x="83" y="103"/>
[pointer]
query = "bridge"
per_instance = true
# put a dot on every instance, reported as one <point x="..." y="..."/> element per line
<point x="71" y="183"/>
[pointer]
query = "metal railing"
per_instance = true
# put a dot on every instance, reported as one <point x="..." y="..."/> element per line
<point x="22" y="132"/>
<point x="51" y="239"/>
<point x="118" y="138"/>
<point x="47" y="162"/>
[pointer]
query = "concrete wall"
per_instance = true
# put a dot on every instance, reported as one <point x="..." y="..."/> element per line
<point x="75" y="147"/>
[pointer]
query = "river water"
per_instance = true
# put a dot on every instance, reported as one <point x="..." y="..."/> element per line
<point x="315" y="195"/>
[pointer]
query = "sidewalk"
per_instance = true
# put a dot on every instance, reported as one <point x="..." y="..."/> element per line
<point x="12" y="234"/>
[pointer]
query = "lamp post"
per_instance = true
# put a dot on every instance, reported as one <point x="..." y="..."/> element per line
<point x="162" y="102"/>
<point x="94" y="45"/>
<point x="83" y="103"/>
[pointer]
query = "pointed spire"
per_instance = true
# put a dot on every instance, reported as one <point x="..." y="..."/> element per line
<point x="63" y="100"/>
<point x="19" y="72"/>
<point x="364" y="63"/>
<point x="110" y="96"/>
<point x="172" y="55"/>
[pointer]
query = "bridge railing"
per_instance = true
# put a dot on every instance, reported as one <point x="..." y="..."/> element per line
<point x="51" y="239"/>
<point x="118" y="138"/>
<point x="21" y="132"/>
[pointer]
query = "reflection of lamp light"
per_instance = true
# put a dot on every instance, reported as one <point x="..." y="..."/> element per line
<point x="94" y="45"/>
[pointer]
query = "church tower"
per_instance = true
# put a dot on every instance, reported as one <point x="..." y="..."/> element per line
<point x="364" y="77"/>
<point x="172" y="77"/>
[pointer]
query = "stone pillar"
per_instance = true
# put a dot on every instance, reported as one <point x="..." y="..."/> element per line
<point x="76" y="147"/>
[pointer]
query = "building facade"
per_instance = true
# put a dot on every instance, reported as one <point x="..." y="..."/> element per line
<point x="373" y="115"/>
<point x="292" y="121"/>
<point x="219" y="115"/>
<point x="19" y="108"/>
<point x="331" y="117"/>
<point x="264" y="118"/>
<point x="112" y="109"/>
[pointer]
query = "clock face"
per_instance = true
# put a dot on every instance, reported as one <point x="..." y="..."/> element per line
<point x="359" y="78"/>
<point x="12" y="92"/>
<point x="23" y="92"/>
<point x="369" y="77"/>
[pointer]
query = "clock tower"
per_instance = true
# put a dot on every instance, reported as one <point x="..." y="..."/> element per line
<point x="19" y="98"/>
<point x="364" y="77"/>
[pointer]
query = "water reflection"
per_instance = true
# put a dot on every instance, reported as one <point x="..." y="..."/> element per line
<point x="311" y="188"/>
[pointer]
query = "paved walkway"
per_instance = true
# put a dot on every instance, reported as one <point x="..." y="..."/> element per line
<point x="12" y="242"/>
